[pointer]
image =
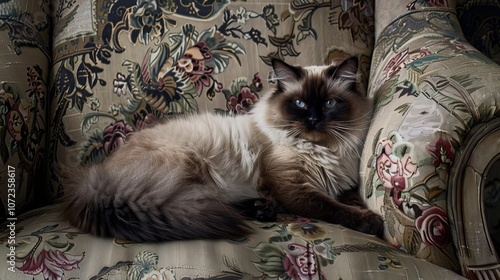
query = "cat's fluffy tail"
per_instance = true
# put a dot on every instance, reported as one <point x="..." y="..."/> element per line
<point x="90" y="204"/>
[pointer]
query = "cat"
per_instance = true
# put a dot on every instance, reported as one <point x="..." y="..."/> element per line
<point x="299" y="148"/>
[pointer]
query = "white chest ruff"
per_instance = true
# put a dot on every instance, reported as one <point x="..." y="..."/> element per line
<point x="325" y="169"/>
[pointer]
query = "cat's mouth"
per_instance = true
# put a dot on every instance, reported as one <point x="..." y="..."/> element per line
<point x="316" y="135"/>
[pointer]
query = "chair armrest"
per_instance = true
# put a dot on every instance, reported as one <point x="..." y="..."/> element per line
<point x="431" y="90"/>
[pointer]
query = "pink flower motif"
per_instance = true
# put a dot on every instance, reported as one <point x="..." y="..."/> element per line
<point x="16" y="122"/>
<point x="300" y="262"/>
<point x="396" y="64"/>
<point x="402" y="59"/>
<point x="244" y="102"/>
<point x="433" y="227"/>
<point x="257" y="81"/>
<point x="462" y="46"/>
<point x="394" y="170"/>
<point x="443" y="153"/>
<point x="114" y="136"/>
<point x="51" y="264"/>
<point x="193" y="65"/>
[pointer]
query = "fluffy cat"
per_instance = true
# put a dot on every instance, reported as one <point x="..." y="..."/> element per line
<point x="299" y="148"/>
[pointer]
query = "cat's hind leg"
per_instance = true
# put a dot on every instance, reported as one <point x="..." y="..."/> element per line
<point x="151" y="198"/>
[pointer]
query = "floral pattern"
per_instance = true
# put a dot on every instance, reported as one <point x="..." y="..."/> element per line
<point x="284" y="257"/>
<point x="433" y="227"/>
<point x="51" y="264"/>
<point x="394" y="163"/>
<point x="151" y="58"/>
<point x="45" y="253"/>
<point x="22" y="126"/>
<point x="242" y="96"/>
<point x="443" y="152"/>
<point x="426" y="111"/>
<point x="27" y="28"/>
<point x="114" y="136"/>
<point x="181" y="66"/>
<point x="290" y="248"/>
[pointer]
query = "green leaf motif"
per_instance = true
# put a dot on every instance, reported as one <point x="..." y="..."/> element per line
<point x="271" y="256"/>
<point x="428" y="59"/>
<point x="93" y="150"/>
<point x="188" y="102"/>
<point x="369" y="183"/>
<point x="487" y="111"/>
<point x="143" y="263"/>
<point x="223" y="54"/>
<point x="179" y="42"/>
<point x="403" y="109"/>
<point x="88" y="121"/>
<point x="222" y="50"/>
<point x="156" y="59"/>
<point x="385" y="94"/>
<point x="402" y="148"/>
<point x="60" y="245"/>
<point x="135" y="79"/>
<point x="412" y="240"/>
<point x="283" y="236"/>
<point x="93" y="118"/>
<point x="376" y="139"/>
<point x="238" y="84"/>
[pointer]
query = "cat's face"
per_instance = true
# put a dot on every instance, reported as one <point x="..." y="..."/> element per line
<point x="319" y="103"/>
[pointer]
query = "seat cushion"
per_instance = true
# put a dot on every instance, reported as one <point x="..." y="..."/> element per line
<point x="47" y="247"/>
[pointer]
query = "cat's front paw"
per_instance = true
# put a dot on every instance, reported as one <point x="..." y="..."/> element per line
<point x="259" y="209"/>
<point x="371" y="223"/>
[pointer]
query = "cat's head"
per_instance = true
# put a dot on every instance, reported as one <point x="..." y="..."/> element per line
<point x="318" y="103"/>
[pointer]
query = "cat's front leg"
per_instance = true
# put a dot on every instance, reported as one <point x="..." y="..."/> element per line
<point x="289" y="187"/>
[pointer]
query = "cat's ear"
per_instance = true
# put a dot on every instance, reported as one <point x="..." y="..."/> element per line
<point x="285" y="75"/>
<point x="346" y="71"/>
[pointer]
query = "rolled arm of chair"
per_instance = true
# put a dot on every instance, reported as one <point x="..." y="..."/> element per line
<point x="433" y="140"/>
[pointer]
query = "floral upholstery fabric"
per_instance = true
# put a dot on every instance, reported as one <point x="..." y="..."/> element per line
<point x="113" y="67"/>
<point x="140" y="60"/>
<point x="24" y="84"/>
<point x="431" y="88"/>
<point x="116" y="66"/>
<point x="292" y="248"/>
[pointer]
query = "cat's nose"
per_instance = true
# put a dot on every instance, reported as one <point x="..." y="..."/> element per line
<point x="312" y="120"/>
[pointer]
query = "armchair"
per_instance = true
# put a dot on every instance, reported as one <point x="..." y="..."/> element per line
<point x="80" y="77"/>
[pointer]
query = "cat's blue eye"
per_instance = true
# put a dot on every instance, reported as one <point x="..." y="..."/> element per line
<point x="330" y="104"/>
<point x="299" y="103"/>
